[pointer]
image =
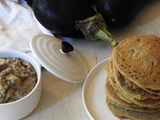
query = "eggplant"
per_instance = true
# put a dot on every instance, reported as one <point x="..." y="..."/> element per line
<point x="64" y="18"/>
<point x="59" y="15"/>
<point x="29" y="2"/>
<point x="92" y="2"/>
<point x="119" y="13"/>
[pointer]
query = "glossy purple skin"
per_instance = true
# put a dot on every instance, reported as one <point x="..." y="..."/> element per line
<point x="119" y="13"/>
<point x="59" y="16"/>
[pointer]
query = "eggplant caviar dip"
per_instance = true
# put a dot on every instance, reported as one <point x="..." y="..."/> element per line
<point x="17" y="79"/>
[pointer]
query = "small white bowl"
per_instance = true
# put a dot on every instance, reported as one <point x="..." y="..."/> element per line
<point x="24" y="106"/>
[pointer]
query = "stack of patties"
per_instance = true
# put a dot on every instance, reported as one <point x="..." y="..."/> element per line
<point x="133" y="78"/>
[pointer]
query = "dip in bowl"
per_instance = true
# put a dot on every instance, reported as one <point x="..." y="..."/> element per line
<point x="22" y="104"/>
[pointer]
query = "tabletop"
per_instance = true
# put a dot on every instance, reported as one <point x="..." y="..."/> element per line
<point x="62" y="100"/>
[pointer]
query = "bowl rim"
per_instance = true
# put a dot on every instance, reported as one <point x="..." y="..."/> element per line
<point x="31" y="61"/>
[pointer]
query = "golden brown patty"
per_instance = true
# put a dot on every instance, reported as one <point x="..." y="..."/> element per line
<point x="118" y="91"/>
<point x="114" y="99"/>
<point x="138" y="59"/>
<point x="128" y="86"/>
<point x="150" y="103"/>
<point x="133" y="79"/>
<point x="122" y="112"/>
<point x="132" y="89"/>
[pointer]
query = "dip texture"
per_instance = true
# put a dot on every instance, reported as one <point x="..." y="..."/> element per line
<point x="17" y="79"/>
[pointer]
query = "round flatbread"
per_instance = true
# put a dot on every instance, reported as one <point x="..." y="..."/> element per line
<point x="138" y="59"/>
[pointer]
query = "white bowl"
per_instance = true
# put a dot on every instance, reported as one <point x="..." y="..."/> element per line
<point x="24" y="106"/>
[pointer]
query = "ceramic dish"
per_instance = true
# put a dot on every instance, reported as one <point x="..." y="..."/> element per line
<point x="94" y="96"/>
<point x="24" y="106"/>
<point x="47" y="49"/>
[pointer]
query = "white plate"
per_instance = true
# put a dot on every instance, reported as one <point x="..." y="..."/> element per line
<point x="94" y="96"/>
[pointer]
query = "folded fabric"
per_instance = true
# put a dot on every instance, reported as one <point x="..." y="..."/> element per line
<point x="17" y="25"/>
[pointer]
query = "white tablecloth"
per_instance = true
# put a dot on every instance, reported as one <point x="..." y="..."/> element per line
<point x="17" y="26"/>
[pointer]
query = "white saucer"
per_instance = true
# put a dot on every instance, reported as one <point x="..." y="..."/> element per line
<point x="94" y="96"/>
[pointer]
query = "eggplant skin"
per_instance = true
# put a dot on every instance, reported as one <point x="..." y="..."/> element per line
<point x="92" y="2"/>
<point x="59" y="16"/>
<point x="29" y="2"/>
<point x="119" y="13"/>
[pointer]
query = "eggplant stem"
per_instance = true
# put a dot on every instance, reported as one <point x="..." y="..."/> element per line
<point x="94" y="28"/>
<point x="105" y="36"/>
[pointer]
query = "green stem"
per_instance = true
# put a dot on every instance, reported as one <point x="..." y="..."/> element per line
<point x="94" y="28"/>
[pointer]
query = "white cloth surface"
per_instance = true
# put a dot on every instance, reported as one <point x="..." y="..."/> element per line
<point x="17" y="26"/>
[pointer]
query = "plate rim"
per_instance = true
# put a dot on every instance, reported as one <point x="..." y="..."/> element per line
<point x="84" y="85"/>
